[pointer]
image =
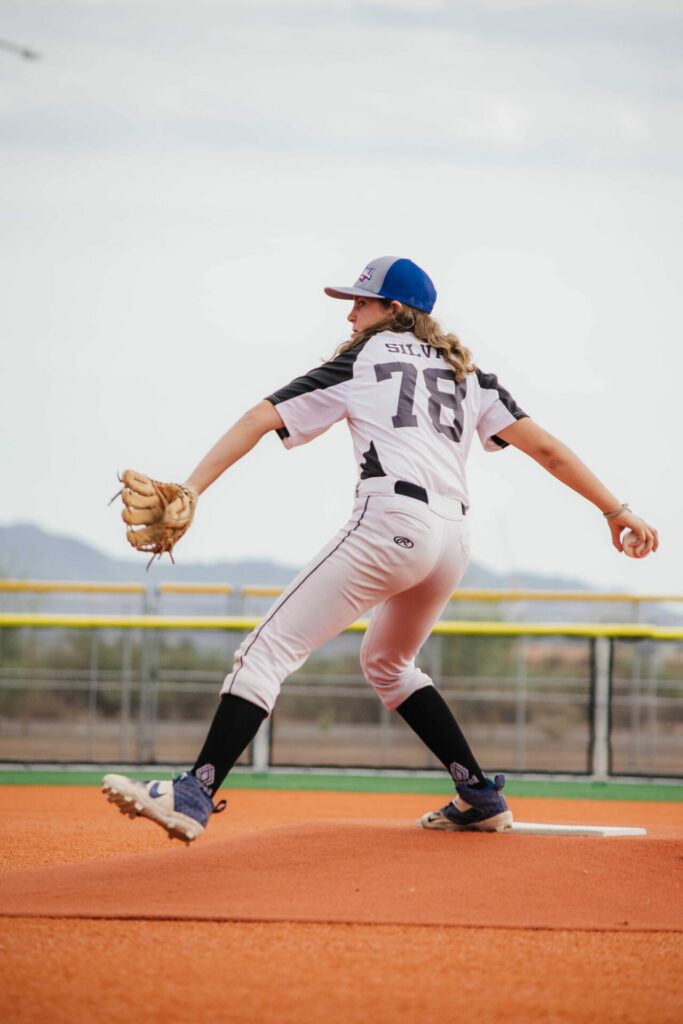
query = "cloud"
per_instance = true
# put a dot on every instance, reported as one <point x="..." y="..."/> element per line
<point x="543" y="85"/>
<point x="180" y="181"/>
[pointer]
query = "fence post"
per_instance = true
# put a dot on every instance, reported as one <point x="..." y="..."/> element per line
<point x="652" y="667"/>
<point x="146" y="720"/>
<point x="92" y="694"/>
<point x="261" y="748"/>
<point x="521" y="705"/>
<point x="384" y="735"/>
<point x="602" y="657"/>
<point x="126" y="681"/>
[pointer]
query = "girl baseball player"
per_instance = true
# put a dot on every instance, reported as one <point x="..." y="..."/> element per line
<point x="413" y="401"/>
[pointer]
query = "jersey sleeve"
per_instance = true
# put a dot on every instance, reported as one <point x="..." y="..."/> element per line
<point x="498" y="410"/>
<point x="310" y="404"/>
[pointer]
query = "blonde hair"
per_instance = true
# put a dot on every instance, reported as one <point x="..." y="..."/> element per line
<point x="426" y="330"/>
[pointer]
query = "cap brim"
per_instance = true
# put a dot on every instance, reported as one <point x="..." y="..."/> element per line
<point x="350" y="293"/>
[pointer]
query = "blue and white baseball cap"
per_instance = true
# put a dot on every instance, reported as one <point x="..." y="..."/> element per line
<point x="391" y="277"/>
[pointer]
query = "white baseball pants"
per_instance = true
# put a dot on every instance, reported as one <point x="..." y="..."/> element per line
<point x="396" y="555"/>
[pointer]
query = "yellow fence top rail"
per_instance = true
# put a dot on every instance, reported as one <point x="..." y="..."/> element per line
<point x="258" y="590"/>
<point x="196" y="588"/>
<point x="558" y="595"/>
<point x="246" y="622"/>
<point x="487" y="594"/>
<point x="255" y="590"/>
<point x="53" y="586"/>
<point x="87" y="621"/>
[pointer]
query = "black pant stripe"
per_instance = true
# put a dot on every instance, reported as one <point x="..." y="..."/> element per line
<point x="315" y="568"/>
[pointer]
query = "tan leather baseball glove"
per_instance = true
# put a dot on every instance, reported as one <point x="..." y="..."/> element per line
<point x="157" y="514"/>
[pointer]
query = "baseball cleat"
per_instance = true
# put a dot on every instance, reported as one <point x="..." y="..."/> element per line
<point x="480" y="810"/>
<point x="181" y="806"/>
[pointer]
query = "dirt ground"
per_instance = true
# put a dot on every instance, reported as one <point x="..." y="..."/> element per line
<point x="300" y="907"/>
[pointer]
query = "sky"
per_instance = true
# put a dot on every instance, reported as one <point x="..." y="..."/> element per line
<point x="180" y="180"/>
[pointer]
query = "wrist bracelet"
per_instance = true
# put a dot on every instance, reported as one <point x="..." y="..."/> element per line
<point x="617" y="511"/>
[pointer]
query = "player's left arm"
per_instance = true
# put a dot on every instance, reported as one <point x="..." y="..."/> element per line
<point x="564" y="465"/>
<point x="235" y="443"/>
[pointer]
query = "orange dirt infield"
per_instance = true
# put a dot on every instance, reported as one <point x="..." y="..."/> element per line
<point x="303" y="907"/>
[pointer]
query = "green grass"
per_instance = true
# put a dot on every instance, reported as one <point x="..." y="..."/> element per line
<point x="575" y="789"/>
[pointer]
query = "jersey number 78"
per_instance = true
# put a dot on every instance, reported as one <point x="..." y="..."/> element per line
<point x="452" y="400"/>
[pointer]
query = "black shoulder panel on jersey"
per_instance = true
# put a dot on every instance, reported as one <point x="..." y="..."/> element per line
<point x="336" y="371"/>
<point x="371" y="466"/>
<point x="489" y="381"/>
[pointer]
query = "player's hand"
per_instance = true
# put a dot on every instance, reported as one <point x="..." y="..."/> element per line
<point x="646" y="534"/>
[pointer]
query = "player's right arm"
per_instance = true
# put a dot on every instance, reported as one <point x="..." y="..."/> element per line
<point x="564" y="465"/>
<point x="236" y="442"/>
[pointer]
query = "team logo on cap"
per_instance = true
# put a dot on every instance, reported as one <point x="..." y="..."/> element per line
<point x="367" y="274"/>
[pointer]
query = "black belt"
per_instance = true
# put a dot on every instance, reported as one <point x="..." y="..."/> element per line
<point x="409" y="490"/>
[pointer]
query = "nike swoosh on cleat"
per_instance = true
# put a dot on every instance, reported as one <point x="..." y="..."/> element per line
<point x="154" y="791"/>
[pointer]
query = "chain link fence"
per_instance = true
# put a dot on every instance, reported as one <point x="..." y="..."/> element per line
<point x="141" y="688"/>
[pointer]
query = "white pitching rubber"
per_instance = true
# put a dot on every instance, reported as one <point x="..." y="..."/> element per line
<point x="530" y="828"/>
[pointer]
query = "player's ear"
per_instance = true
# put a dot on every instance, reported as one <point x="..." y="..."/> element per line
<point x="395" y="307"/>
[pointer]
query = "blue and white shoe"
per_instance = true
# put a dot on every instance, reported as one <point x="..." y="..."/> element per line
<point x="181" y="806"/>
<point x="480" y="810"/>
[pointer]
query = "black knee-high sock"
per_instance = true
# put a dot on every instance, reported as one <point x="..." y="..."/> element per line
<point x="234" y="726"/>
<point x="428" y="714"/>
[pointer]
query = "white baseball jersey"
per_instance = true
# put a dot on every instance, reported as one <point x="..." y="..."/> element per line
<point x="411" y="423"/>
<point x="409" y="418"/>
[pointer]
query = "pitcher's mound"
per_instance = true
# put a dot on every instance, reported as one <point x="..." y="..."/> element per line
<point x="380" y="872"/>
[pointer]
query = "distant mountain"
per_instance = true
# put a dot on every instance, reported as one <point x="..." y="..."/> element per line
<point x="27" y="552"/>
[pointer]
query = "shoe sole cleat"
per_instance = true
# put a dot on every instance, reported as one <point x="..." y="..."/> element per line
<point x="185" y="831"/>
